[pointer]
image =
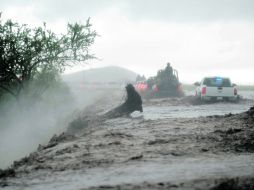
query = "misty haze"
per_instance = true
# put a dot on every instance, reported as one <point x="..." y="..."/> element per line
<point x="126" y="94"/>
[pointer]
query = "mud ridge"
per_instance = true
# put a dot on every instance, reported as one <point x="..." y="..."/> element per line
<point x="209" y="184"/>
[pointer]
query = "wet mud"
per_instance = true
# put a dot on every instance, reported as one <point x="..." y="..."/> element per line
<point x="135" y="152"/>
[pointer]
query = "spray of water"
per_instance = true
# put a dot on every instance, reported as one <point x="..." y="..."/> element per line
<point x="23" y="128"/>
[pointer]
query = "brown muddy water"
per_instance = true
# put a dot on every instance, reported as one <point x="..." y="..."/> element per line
<point x="173" y="144"/>
<point x="163" y="112"/>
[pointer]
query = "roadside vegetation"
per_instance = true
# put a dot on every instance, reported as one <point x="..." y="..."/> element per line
<point x="32" y="59"/>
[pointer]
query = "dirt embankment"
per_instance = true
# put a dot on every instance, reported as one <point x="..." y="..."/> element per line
<point x="236" y="132"/>
<point x="133" y="145"/>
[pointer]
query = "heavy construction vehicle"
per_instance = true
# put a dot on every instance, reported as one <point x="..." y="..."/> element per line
<point x="164" y="84"/>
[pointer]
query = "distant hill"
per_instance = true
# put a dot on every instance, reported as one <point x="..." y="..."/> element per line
<point x="102" y="75"/>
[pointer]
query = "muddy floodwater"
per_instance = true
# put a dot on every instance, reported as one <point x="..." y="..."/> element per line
<point x="164" y="108"/>
<point x="173" y="144"/>
<point x="163" y="112"/>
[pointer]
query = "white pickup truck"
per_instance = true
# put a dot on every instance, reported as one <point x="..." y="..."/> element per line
<point x="216" y="88"/>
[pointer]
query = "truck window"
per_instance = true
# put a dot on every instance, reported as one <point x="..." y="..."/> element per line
<point x="217" y="82"/>
<point x="226" y="83"/>
<point x="209" y="82"/>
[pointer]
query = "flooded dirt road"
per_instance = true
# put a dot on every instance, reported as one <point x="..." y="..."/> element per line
<point x="181" y="111"/>
<point x="169" y="146"/>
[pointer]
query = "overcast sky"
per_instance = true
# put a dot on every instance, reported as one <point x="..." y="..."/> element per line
<point x="198" y="37"/>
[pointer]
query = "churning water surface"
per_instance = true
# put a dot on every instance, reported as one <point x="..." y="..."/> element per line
<point x="183" y="111"/>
